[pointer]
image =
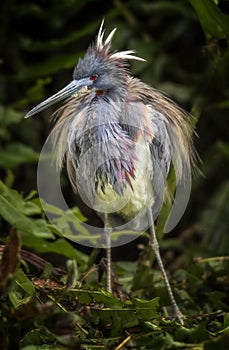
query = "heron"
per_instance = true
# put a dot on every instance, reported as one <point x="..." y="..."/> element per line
<point x="136" y="133"/>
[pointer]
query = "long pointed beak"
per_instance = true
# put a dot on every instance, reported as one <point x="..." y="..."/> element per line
<point x="67" y="91"/>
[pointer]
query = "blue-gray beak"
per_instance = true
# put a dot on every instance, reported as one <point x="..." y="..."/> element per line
<point x="67" y="91"/>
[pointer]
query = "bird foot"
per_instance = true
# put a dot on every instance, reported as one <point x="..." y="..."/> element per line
<point x="177" y="315"/>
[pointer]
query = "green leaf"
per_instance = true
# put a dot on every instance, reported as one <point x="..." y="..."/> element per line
<point x="16" y="154"/>
<point x="11" y="209"/>
<point x="21" y="222"/>
<point x="24" y="283"/>
<point x="147" y="309"/>
<point x="17" y="300"/>
<point x="64" y="220"/>
<point x="26" y="206"/>
<point x="101" y="296"/>
<point x="60" y="246"/>
<point x="215" y="24"/>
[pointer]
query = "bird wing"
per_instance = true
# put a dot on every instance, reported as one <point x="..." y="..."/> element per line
<point x="168" y="133"/>
<point x="161" y="155"/>
<point x="161" y="149"/>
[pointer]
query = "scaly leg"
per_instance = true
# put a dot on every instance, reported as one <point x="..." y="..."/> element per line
<point x="155" y="246"/>
<point x="108" y="231"/>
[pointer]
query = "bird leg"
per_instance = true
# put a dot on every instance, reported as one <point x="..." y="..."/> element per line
<point x="107" y="232"/>
<point x="155" y="246"/>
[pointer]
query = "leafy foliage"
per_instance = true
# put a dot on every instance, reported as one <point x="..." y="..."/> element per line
<point x="51" y="291"/>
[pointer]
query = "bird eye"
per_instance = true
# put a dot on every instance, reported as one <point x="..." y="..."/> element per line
<point x="93" y="77"/>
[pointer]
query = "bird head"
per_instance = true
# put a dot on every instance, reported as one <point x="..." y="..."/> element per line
<point x="100" y="69"/>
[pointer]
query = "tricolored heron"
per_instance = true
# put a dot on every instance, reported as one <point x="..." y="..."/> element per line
<point x="135" y="133"/>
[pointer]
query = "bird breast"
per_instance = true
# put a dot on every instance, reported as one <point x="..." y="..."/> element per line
<point x="137" y="194"/>
<point x="113" y="169"/>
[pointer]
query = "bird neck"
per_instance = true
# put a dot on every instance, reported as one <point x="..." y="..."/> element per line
<point x="115" y="90"/>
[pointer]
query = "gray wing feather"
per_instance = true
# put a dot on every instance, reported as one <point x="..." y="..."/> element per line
<point x="161" y="153"/>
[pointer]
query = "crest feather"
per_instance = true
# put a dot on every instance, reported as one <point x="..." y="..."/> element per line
<point x="99" y="40"/>
<point x="106" y="45"/>
<point x="126" y="55"/>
